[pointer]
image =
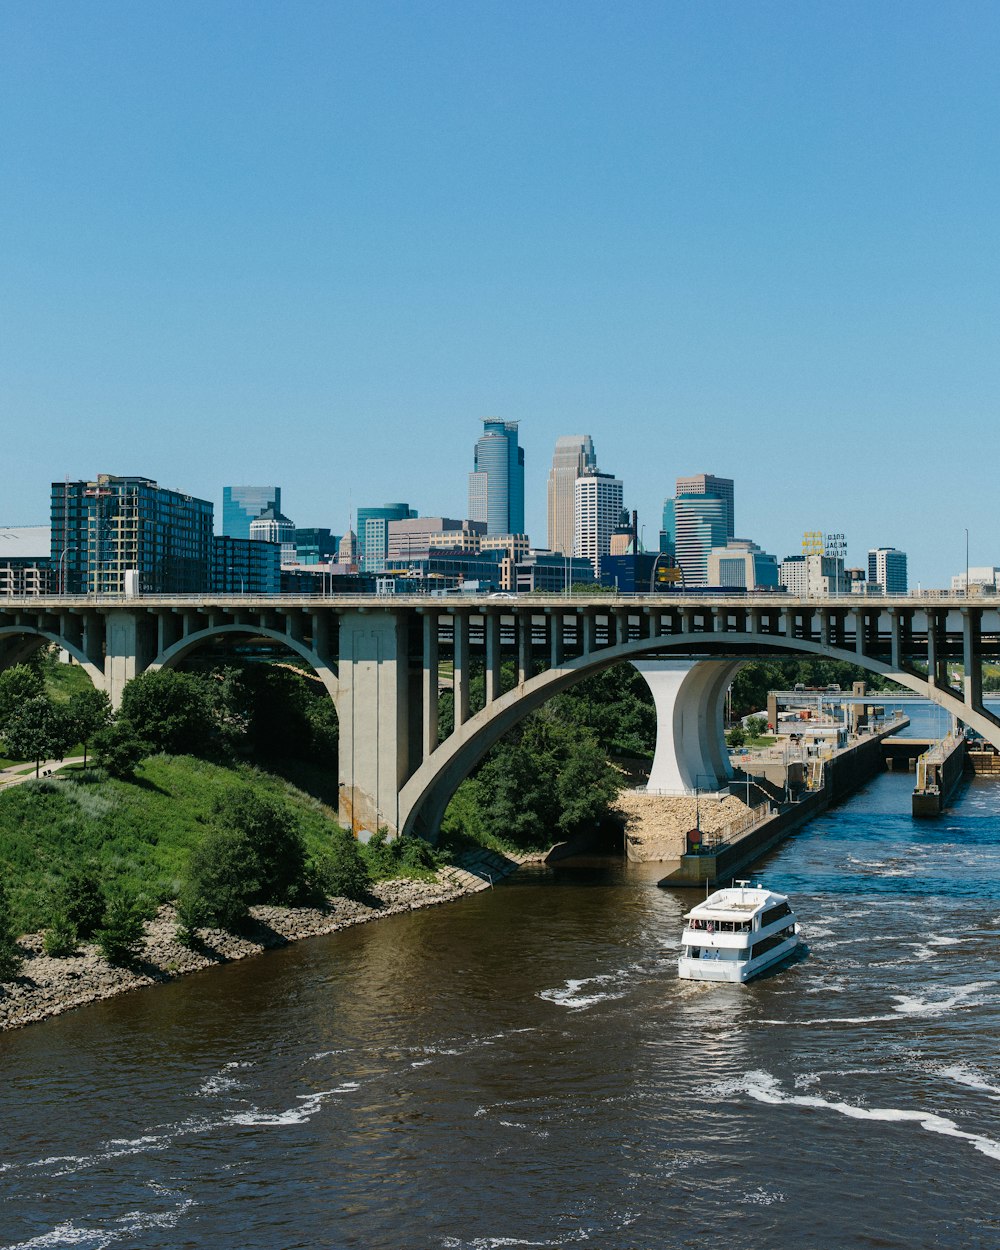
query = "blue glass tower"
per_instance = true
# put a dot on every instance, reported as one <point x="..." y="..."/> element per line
<point x="243" y="504"/>
<point x="496" y="484"/>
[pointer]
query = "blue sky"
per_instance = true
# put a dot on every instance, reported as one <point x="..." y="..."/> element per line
<point x="314" y="243"/>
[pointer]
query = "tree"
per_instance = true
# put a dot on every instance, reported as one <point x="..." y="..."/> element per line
<point x="118" y="749"/>
<point x="171" y="711"/>
<point x="220" y="884"/>
<point x="18" y="683"/>
<point x="11" y="957"/>
<point x="120" y="936"/>
<point x="338" y="870"/>
<point x="736" y="737"/>
<point x="81" y="900"/>
<point x="89" y="712"/>
<point x="755" y="726"/>
<point x="38" y="730"/>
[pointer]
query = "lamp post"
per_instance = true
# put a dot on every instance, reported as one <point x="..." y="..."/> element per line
<point x="62" y="567"/>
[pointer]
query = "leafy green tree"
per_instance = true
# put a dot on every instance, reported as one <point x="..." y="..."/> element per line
<point x="38" y="730"/>
<point x="220" y="885"/>
<point x="60" y="937"/>
<point x="89" y="712"/>
<point x="11" y="956"/>
<point x="736" y="737"/>
<point x="120" y="936"/>
<point x="171" y="711"/>
<point x="274" y="838"/>
<point x="755" y="726"/>
<point x="81" y="900"/>
<point x="338" y="870"/>
<point x="18" y="684"/>
<point x="119" y="749"/>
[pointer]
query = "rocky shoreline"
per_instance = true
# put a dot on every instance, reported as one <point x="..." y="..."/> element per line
<point x="49" y="986"/>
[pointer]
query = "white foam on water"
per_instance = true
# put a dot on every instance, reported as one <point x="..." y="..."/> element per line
<point x="126" y="1226"/>
<point x="763" y="1087"/>
<point x="907" y="1006"/>
<point x="223" y="1081"/>
<point x="763" y="1197"/>
<point x="309" y="1105"/>
<point x="572" y="994"/>
<point x="971" y="1079"/>
<point x="497" y="1243"/>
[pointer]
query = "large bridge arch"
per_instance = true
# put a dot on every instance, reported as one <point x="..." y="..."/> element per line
<point x="424" y="796"/>
<point x="173" y="655"/>
<point x="34" y="638"/>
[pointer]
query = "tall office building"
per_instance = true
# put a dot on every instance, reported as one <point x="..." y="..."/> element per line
<point x="742" y="565"/>
<point x="574" y="455"/>
<point x="597" y="510"/>
<point x="714" y="487"/>
<point x="243" y="504"/>
<point x="496" y="484"/>
<point x="668" y="531"/>
<point x="373" y="532"/>
<point x="701" y="522"/>
<point x="105" y="529"/>
<point x="274" y="527"/>
<point x="887" y="567"/>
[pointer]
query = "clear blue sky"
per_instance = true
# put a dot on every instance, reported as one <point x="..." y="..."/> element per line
<point x="314" y="243"/>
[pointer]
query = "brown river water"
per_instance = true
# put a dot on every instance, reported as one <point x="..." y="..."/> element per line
<point x="523" y="1068"/>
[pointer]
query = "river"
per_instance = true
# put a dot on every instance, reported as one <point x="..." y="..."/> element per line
<point x="523" y="1068"/>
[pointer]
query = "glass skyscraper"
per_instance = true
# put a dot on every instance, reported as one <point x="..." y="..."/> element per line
<point x="496" y="483"/>
<point x="373" y="530"/>
<point x="243" y="504"/>
<point x="574" y="455"/>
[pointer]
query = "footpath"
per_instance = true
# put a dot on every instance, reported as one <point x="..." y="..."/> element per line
<point x="49" y="986"/>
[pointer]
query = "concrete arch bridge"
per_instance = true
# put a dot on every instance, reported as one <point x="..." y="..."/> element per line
<point x="384" y="661"/>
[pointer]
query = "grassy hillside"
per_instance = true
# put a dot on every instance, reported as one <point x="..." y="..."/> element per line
<point x="136" y="834"/>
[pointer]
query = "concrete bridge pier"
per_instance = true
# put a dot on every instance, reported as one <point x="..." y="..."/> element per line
<point x="690" y="697"/>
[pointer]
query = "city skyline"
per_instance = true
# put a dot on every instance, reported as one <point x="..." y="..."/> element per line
<point x="761" y="256"/>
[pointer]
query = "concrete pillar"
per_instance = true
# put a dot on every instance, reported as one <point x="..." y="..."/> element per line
<point x="129" y="647"/>
<point x="430" y="683"/>
<point x="589" y="632"/>
<point x="556" y="650"/>
<point x="461" y="671"/>
<point x="896" y="625"/>
<point x="523" y="624"/>
<point x="690" y="698"/>
<point x="374" y="717"/>
<point x="491" y="630"/>
<point x="824" y="626"/>
<point x="972" y="680"/>
<point x="859" y="631"/>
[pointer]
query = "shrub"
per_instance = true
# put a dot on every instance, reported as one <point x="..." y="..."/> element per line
<point x="277" y="861"/>
<point x="81" y="900"/>
<point x="405" y="856"/>
<point x="339" y="871"/>
<point x="736" y="737"/>
<point x="172" y="711"/>
<point x="11" y="957"/>
<point x="120" y="936"/>
<point x="118" y="749"/>
<point x="221" y="883"/>
<point x="61" y="937"/>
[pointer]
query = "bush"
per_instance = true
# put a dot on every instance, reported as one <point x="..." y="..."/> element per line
<point x="118" y="749"/>
<point x="61" y="937"/>
<point x="221" y="882"/>
<point x="736" y="737"/>
<point x="11" y="957"/>
<point x="172" y="711"/>
<point x="399" y="857"/>
<point x="276" y="869"/>
<point x="338" y="870"/>
<point x="120" y="936"/>
<point x="81" y="901"/>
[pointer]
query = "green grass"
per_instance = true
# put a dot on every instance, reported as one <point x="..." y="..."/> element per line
<point x="62" y="681"/>
<point x="137" y="835"/>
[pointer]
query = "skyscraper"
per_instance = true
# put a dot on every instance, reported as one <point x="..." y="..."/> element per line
<point x="373" y="529"/>
<point x="701" y="523"/>
<point x="887" y="567"/>
<point x="243" y="504"/>
<point x="496" y="484"/>
<point x="597" y="511"/>
<point x="714" y="487"/>
<point x="573" y="456"/>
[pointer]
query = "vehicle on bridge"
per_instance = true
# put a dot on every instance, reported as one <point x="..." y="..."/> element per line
<point x="736" y="933"/>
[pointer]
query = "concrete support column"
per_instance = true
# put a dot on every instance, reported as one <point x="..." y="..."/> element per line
<point x="972" y="681"/>
<point x="690" y="697"/>
<point x="933" y="650"/>
<point x="556" y="650"/>
<point x="824" y="626"/>
<point x="859" y="631"/>
<point x="129" y="649"/>
<point x="896" y="625"/>
<point x="687" y="616"/>
<point x="523" y="623"/>
<point x="491" y="626"/>
<point x="461" y="672"/>
<point x="589" y="632"/>
<point x="374" y="718"/>
<point x="429" y="673"/>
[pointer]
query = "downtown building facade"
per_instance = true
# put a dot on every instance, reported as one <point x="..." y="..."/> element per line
<point x="814" y="574"/>
<point x="700" y="517"/>
<point x="118" y="535"/>
<point x="573" y="457"/>
<point x="887" y="568"/>
<point x="273" y="526"/>
<point x="496" y="483"/>
<point x="242" y="505"/>
<point x="742" y="565"/>
<point x="597" y="510"/>
<point x="245" y="566"/>
<point x="373" y="532"/>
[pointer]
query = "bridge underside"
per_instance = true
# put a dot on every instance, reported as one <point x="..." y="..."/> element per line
<point x="386" y="662"/>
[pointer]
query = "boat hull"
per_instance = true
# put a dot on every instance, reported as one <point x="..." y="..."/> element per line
<point x="732" y="970"/>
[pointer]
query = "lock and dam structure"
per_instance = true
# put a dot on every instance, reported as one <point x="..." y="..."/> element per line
<point x="385" y="660"/>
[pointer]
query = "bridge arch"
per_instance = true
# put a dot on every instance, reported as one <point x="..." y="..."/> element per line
<point x="36" y="638"/>
<point x="173" y="655"/>
<point x="425" y="795"/>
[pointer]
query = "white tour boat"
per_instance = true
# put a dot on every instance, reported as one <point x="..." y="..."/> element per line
<point x="736" y="933"/>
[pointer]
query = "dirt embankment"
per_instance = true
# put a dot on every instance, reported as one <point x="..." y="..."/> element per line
<point x="656" y="825"/>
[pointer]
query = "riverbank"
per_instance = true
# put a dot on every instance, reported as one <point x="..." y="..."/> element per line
<point x="49" y="986"/>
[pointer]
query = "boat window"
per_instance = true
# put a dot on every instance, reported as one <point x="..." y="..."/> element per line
<point x="774" y="913"/>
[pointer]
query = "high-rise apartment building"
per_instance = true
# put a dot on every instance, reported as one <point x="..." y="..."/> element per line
<point x="574" y="455"/>
<point x="243" y="504"/>
<point x="105" y="529"/>
<point x="887" y="568"/>
<point x="597" y="510"/>
<point x="496" y="484"/>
